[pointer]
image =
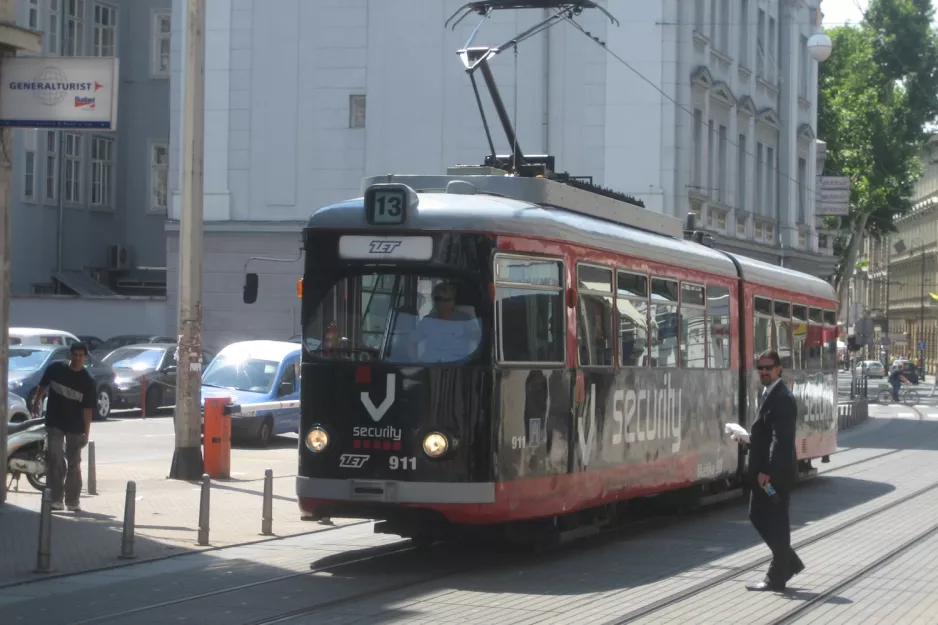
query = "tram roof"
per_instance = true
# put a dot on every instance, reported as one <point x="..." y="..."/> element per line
<point x="480" y="212"/>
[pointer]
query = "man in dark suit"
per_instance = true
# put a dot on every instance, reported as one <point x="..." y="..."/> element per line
<point x="773" y="461"/>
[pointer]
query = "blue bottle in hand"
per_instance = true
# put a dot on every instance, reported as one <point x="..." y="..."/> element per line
<point x="770" y="491"/>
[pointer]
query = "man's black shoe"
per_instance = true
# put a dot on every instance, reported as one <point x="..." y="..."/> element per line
<point x="796" y="569"/>
<point x="765" y="585"/>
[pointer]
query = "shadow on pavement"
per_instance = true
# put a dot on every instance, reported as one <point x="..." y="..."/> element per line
<point x="374" y="590"/>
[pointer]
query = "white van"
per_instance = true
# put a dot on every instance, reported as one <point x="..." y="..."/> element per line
<point x="41" y="336"/>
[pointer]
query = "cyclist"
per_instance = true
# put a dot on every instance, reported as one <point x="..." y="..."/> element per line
<point x="896" y="380"/>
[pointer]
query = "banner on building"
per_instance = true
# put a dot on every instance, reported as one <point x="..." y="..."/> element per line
<point x="59" y="92"/>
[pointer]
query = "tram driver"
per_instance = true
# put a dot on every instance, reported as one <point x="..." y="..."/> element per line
<point x="446" y="333"/>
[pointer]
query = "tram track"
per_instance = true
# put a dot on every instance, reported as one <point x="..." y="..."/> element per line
<point x="652" y="521"/>
<point x="697" y="589"/>
<point x="821" y="598"/>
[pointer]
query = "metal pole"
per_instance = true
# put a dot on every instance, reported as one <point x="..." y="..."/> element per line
<point x="4" y="307"/>
<point x="92" y="473"/>
<point x="204" y="505"/>
<point x="921" y="322"/>
<point x="44" y="555"/>
<point x="130" y="510"/>
<point x="187" y="458"/>
<point x="267" y="514"/>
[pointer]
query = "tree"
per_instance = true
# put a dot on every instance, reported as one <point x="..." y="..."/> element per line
<point x="876" y="93"/>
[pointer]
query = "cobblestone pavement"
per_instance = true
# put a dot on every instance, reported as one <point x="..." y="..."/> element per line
<point x="602" y="581"/>
<point x="167" y="511"/>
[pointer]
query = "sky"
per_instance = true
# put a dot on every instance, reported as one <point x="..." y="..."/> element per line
<point x="838" y="12"/>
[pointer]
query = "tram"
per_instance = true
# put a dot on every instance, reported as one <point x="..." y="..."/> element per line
<point x="504" y="346"/>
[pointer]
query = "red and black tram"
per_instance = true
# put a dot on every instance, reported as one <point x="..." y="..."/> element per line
<point x="485" y="350"/>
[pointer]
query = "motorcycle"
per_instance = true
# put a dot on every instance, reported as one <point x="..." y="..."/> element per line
<point x="26" y="453"/>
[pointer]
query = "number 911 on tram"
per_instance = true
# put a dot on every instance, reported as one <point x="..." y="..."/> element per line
<point x="505" y="352"/>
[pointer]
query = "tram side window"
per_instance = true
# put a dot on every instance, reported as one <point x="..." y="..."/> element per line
<point x="799" y="339"/>
<point x="815" y="342"/>
<point x="632" y="318"/>
<point x="783" y="333"/>
<point x="595" y="338"/>
<point x="762" y="326"/>
<point x="664" y="323"/>
<point x="718" y="317"/>
<point x="529" y="309"/>
<point x="830" y="332"/>
<point x="693" y="327"/>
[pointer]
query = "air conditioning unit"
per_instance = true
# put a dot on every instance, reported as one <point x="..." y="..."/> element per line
<point x="118" y="258"/>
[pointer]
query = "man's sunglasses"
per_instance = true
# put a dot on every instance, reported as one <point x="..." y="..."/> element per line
<point x="766" y="367"/>
<point x="439" y="298"/>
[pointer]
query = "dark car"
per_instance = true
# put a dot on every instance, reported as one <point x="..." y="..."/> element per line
<point x="28" y="362"/>
<point x="909" y="370"/>
<point x="93" y="343"/>
<point x="153" y="362"/>
<point x="122" y="340"/>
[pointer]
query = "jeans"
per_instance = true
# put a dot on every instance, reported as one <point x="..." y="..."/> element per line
<point x="895" y="390"/>
<point x="63" y="469"/>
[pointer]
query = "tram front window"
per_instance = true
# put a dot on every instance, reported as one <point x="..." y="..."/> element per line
<point x="403" y="318"/>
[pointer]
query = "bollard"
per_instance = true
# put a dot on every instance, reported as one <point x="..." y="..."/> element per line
<point x="92" y="474"/>
<point x="267" y="513"/>
<point x="204" y="508"/>
<point x="143" y="396"/>
<point x="44" y="555"/>
<point x="130" y="510"/>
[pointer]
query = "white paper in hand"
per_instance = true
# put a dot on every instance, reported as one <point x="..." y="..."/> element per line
<point x="737" y="432"/>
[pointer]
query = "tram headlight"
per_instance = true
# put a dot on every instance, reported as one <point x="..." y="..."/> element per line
<point x="317" y="439"/>
<point x="435" y="444"/>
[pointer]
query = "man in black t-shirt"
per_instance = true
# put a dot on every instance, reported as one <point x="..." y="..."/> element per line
<point x="68" y="422"/>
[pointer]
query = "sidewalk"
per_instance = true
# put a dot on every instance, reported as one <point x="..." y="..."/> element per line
<point x="167" y="516"/>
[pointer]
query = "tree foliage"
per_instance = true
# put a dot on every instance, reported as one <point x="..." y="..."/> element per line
<point x="876" y="93"/>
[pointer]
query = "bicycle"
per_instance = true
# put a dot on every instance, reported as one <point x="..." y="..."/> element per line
<point x="908" y="396"/>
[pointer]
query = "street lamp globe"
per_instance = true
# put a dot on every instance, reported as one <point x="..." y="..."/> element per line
<point x="820" y="47"/>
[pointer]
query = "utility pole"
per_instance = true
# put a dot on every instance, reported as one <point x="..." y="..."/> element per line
<point x="921" y="322"/>
<point x="187" y="458"/>
<point x="4" y="316"/>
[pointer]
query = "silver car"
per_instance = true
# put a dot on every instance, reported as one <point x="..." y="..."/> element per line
<point x="17" y="410"/>
<point x="871" y="369"/>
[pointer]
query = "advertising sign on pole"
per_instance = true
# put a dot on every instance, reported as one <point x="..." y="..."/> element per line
<point x="833" y="196"/>
<point x="59" y="92"/>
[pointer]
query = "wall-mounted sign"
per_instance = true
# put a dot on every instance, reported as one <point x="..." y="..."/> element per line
<point x="59" y="92"/>
<point x="833" y="196"/>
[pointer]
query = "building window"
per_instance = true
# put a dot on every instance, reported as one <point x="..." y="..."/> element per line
<point x="759" y="177"/>
<point x="52" y="33"/>
<point x="102" y="171"/>
<point x="805" y="68"/>
<point x="741" y="227"/>
<point x="770" y="233"/>
<point x="721" y="165"/>
<point x="159" y="176"/>
<point x="770" y="177"/>
<point x="74" y="27"/>
<point x="356" y="111"/>
<point x="770" y="46"/>
<point x="744" y="32"/>
<point x="29" y="176"/>
<point x="105" y="30"/>
<point x="162" y="33"/>
<point x="32" y="17"/>
<point x="760" y="48"/>
<point x="52" y="165"/>
<point x="822" y="241"/>
<point x="713" y="24"/>
<point x="724" y="26"/>
<point x="741" y="173"/>
<point x="699" y="16"/>
<point x="711" y="160"/>
<point x="72" y="168"/>
<point x="802" y="239"/>
<point x="802" y="196"/>
<point x="695" y="171"/>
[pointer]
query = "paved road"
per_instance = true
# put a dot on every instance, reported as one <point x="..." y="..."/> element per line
<point x="356" y="580"/>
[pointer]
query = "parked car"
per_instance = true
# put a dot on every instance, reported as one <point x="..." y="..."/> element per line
<point x="123" y="340"/>
<point x="93" y="343"/>
<point x="41" y="336"/>
<point x="156" y="362"/>
<point x="257" y="371"/>
<point x="871" y="368"/>
<point x="17" y="410"/>
<point x="27" y="363"/>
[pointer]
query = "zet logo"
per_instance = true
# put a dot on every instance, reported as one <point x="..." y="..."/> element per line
<point x="383" y="247"/>
<point x="353" y="461"/>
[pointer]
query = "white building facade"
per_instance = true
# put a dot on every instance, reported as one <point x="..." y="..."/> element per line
<point x="303" y="99"/>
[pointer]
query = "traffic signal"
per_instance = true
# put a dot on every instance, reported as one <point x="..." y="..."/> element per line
<point x="852" y="344"/>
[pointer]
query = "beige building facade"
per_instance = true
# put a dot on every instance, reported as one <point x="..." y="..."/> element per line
<point x="902" y="274"/>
